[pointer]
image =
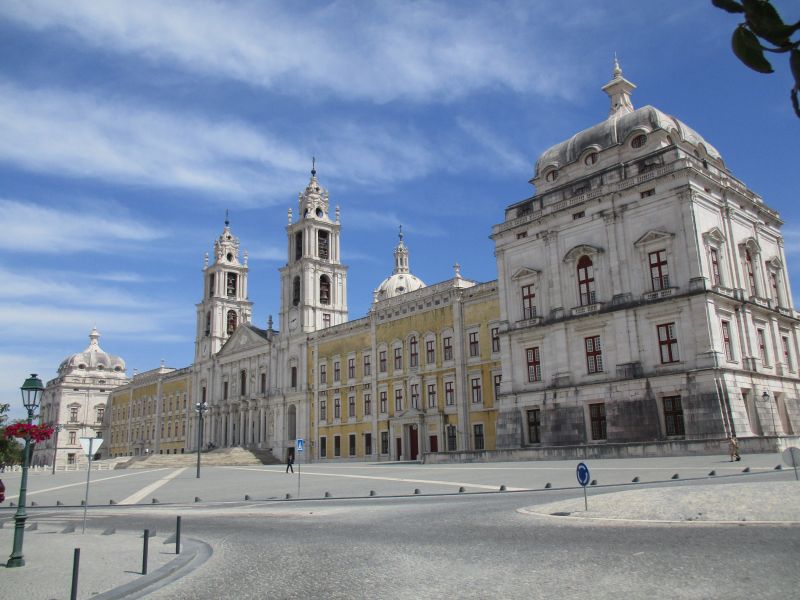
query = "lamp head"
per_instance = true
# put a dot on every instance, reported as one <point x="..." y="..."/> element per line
<point x="32" y="392"/>
<point x="765" y="396"/>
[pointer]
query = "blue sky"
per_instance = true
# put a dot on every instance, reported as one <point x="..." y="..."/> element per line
<point x="128" y="128"/>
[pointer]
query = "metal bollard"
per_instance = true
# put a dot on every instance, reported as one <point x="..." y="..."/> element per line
<point x="178" y="536"/>
<point x="76" y="561"/>
<point x="144" y="551"/>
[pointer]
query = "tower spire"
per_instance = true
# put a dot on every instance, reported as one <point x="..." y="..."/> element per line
<point x="313" y="166"/>
<point x="619" y="91"/>
<point x="401" y="255"/>
<point x="227" y="221"/>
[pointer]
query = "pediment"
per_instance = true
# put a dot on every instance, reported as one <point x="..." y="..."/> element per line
<point x="654" y="236"/>
<point x="244" y="338"/>
<point x="775" y="263"/>
<point x="714" y="235"/>
<point x="580" y="250"/>
<point x="524" y="272"/>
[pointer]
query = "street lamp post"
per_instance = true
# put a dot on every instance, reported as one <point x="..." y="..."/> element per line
<point x="765" y="398"/>
<point x="56" y="430"/>
<point x="31" y="394"/>
<point x="200" y="409"/>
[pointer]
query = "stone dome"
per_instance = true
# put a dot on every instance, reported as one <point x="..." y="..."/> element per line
<point x="401" y="280"/>
<point x="622" y="123"/>
<point x="92" y="359"/>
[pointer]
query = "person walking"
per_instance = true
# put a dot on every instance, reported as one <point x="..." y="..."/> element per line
<point x="289" y="462"/>
<point x="733" y="448"/>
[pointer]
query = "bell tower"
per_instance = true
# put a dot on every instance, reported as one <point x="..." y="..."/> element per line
<point x="224" y="305"/>
<point x="313" y="281"/>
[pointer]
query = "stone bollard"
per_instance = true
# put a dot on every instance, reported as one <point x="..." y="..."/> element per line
<point x="547" y="485"/>
<point x="372" y="493"/>
<point x="502" y="488"/>
<point x="675" y="476"/>
<point x="635" y="479"/>
<point x="417" y="492"/>
<point x="461" y="490"/>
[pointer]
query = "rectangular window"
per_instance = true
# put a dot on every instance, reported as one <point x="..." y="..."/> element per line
<point x="398" y="400"/>
<point x="787" y="355"/>
<point x="351" y="368"/>
<point x="73" y="413"/>
<point x="597" y="414"/>
<point x="323" y="407"/>
<point x="762" y="347"/>
<point x="478" y="429"/>
<point x="210" y="290"/>
<point x="367" y="365"/>
<point x="667" y="343"/>
<point x="100" y="412"/>
<point x="322" y="245"/>
<point x="263" y="383"/>
<point x="383" y="402"/>
<point x="495" y="339"/>
<point x="337" y="408"/>
<point x="384" y="442"/>
<point x="498" y="379"/>
<point x="447" y="347"/>
<point x="352" y="443"/>
<point x="594" y="356"/>
<point x="351" y="406"/>
<point x="326" y="320"/>
<point x="431" y="395"/>
<point x="751" y="277"/>
<point x="413" y="353"/>
<point x="71" y="458"/>
<point x="534" y="365"/>
<point x="474" y="348"/>
<point x="367" y="444"/>
<point x="715" y="279"/>
<point x="323" y="373"/>
<point x="476" y="390"/>
<point x="231" y="285"/>
<point x="534" y="426"/>
<point x="449" y="393"/>
<point x="451" y="438"/>
<point x="659" y="274"/>
<point x="73" y="438"/>
<point x="337" y="445"/>
<point x="323" y="447"/>
<point x="647" y="193"/>
<point x="367" y="405"/>
<point x="773" y="279"/>
<point x="673" y="415"/>
<point x="337" y="371"/>
<point x="528" y="302"/>
<point x="398" y="359"/>
<point x="430" y="352"/>
<point x="382" y="361"/>
<point x="726" y="340"/>
<point x="415" y="395"/>
<point x="294" y="377"/>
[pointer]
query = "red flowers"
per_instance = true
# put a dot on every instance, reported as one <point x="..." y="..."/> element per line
<point x="35" y="433"/>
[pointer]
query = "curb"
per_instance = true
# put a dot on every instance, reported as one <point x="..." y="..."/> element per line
<point x="193" y="554"/>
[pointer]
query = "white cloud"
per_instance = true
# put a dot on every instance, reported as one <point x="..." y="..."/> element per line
<point x="34" y="228"/>
<point x="364" y="219"/>
<point x="379" y="52"/>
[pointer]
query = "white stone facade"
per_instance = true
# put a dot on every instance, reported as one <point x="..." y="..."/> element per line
<point x="644" y="293"/>
<point x="76" y="401"/>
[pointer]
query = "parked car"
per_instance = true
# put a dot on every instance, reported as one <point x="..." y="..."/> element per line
<point x="2" y="491"/>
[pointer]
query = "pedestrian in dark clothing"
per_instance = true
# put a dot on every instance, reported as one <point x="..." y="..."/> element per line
<point x="289" y="462"/>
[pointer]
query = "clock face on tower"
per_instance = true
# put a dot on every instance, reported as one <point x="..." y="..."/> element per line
<point x="294" y="319"/>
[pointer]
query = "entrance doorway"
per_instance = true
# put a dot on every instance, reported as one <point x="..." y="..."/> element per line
<point x="434" y="443"/>
<point x="399" y="445"/>
<point x="413" y="439"/>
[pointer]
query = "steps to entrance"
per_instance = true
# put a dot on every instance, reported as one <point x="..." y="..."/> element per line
<point x="219" y="457"/>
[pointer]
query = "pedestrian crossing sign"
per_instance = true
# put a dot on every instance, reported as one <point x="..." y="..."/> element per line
<point x="300" y="445"/>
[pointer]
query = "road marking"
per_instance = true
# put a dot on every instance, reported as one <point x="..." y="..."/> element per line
<point x="68" y="485"/>
<point x="134" y="498"/>
<point x="400" y="479"/>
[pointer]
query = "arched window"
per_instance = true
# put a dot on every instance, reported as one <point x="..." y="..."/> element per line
<point x="639" y="141"/>
<point x="751" y="275"/>
<point x="232" y="321"/>
<point x="242" y="382"/>
<point x="322" y="245"/>
<point x="586" y="289"/>
<point x="298" y="245"/>
<point x="296" y="291"/>
<point x="324" y="290"/>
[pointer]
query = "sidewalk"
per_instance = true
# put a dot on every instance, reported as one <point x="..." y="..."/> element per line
<point x="761" y="502"/>
<point x="110" y="564"/>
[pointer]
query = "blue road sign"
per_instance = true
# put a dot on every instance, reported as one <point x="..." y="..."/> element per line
<point x="300" y="445"/>
<point x="583" y="474"/>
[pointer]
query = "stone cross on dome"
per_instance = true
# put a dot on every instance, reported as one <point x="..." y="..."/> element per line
<point x="619" y="91"/>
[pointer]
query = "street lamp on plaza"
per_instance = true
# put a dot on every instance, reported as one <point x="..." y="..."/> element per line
<point x="56" y="429"/>
<point x="31" y="394"/>
<point x="200" y="408"/>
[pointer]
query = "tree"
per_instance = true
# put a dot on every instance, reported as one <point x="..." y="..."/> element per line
<point x="763" y="30"/>
<point x="10" y="450"/>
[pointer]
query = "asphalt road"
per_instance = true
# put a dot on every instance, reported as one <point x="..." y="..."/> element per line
<point x="441" y="543"/>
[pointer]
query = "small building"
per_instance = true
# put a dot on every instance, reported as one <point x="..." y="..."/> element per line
<point x="75" y="401"/>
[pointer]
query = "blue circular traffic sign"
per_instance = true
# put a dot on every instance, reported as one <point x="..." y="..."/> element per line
<point x="583" y="474"/>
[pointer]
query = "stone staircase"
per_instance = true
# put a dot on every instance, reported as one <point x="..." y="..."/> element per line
<point x="219" y="457"/>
